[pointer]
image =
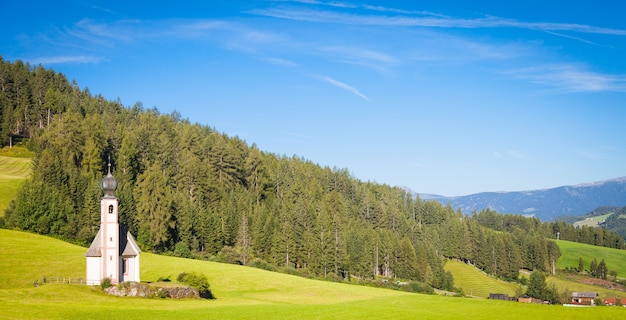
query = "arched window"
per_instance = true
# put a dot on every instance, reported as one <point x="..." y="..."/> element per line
<point x="110" y="209"/>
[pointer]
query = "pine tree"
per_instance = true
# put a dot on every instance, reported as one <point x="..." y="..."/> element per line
<point x="581" y="265"/>
<point x="593" y="268"/>
<point x="154" y="208"/>
<point x="537" y="285"/>
<point x="602" y="270"/>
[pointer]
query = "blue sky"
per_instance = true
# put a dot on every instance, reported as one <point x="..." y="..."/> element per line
<point x="444" y="97"/>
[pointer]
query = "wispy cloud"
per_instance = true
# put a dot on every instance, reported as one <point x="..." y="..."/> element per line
<point x="102" y="9"/>
<point x="571" y="37"/>
<point x="65" y="59"/>
<point x="401" y="11"/>
<point x="88" y="35"/>
<point x="344" y="86"/>
<point x="368" y="58"/>
<point x="327" y="3"/>
<point x="281" y="62"/>
<point x="90" y="30"/>
<point x="571" y="78"/>
<point x="428" y="20"/>
<point x="360" y="54"/>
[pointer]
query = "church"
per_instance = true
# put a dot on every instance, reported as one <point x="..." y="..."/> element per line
<point x="113" y="254"/>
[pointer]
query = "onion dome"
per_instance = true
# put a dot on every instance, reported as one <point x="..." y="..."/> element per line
<point x="109" y="184"/>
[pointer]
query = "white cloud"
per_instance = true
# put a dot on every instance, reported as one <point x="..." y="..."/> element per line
<point x="345" y="86"/>
<point x="282" y="62"/>
<point x="360" y="54"/>
<point x="65" y="59"/>
<point x="571" y="78"/>
<point x="429" y="20"/>
<point x="327" y="3"/>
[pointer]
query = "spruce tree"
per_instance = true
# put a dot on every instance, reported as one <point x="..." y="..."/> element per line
<point x="537" y="285"/>
<point x="581" y="265"/>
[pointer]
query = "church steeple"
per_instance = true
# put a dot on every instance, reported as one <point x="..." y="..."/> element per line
<point x="109" y="183"/>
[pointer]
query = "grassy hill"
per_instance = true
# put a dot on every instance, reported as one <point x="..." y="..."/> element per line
<point x="592" y="221"/>
<point x="14" y="170"/>
<point x="242" y="293"/>
<point x="476" y="283"/>
<point x="571" y="252"/>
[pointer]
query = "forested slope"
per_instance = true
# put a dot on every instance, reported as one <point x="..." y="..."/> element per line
<point x="189" y="190"/>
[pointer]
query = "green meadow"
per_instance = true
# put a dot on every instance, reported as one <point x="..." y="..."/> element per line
<point x="242" y="293"/>
<point x="249" y="293"/>
<point x="593" y="221"/>
<point x="476" y="283"/>
<point x="571" y="252"/>
<point x="14" y="170"/>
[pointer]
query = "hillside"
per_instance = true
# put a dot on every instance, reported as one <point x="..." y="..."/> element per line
<point x="546" y="204"/>
<point x="13" y="172"/>
<point x="188" y="190"/>
<point x="242" y="293"/>
<point x="476" y="283"/>
<point x="572" y="251"/>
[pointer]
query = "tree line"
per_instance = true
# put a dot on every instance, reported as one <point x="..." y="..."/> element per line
<point x="557" y="230"/>
<point x="188" y="190"/>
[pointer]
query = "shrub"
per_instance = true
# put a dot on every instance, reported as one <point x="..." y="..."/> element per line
<point x="161" y="293"/>
<point x="182" y="250"/>
<point x="261" y="264"/>
<point x="198" y="281"/>
<point x="228" y="254"/>
<point x="106" y="283"/>
<point x="419" y="287"/>
<point x="181" y="277"/>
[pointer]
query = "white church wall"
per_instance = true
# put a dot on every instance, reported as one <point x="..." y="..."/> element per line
<point x="132" y="269"/>
<point x="136" y="268"/>
<point x="93" y="271"/>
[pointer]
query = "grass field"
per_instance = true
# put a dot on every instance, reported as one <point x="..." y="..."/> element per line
<point x="242" y="293"/>
<point x="571" y="251"/>
<point x="475" y="283"/>
<point x="13" y="172"/>
<point x="565" y="285"/>
<point x="593" y="221"/>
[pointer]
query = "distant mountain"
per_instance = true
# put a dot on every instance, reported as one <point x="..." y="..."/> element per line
<point x="546" y="204"/>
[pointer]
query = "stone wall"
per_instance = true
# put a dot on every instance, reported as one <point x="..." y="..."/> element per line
<point x="133" y="289"/>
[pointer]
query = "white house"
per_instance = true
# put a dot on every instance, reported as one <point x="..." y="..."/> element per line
<point x="113" y="254"/>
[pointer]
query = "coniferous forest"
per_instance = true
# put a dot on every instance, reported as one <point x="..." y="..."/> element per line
<point x="188" y="190"/>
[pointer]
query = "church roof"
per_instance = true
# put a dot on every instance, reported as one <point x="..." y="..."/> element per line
<point x="94" y="248"/>
<point x="109" y="184"/>
<point x="128" y="245"/>
<point x="584" y="294"/>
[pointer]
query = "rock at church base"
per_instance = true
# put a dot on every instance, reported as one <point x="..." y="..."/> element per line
<point x="133" y="289"/>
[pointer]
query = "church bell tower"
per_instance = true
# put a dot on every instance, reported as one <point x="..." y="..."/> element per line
<point x="109" y="224"/>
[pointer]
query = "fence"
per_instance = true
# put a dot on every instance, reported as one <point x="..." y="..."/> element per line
<point x="67" y="280"/>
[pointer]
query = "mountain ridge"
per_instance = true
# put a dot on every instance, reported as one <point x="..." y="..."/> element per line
<point x="545" y="204"/>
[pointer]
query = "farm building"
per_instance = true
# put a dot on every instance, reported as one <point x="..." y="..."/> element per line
<point x="614" y="301"/>
<point x="584" y="298"/>
<point x="527" y="299"/>
<point x="499" y="296"/>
